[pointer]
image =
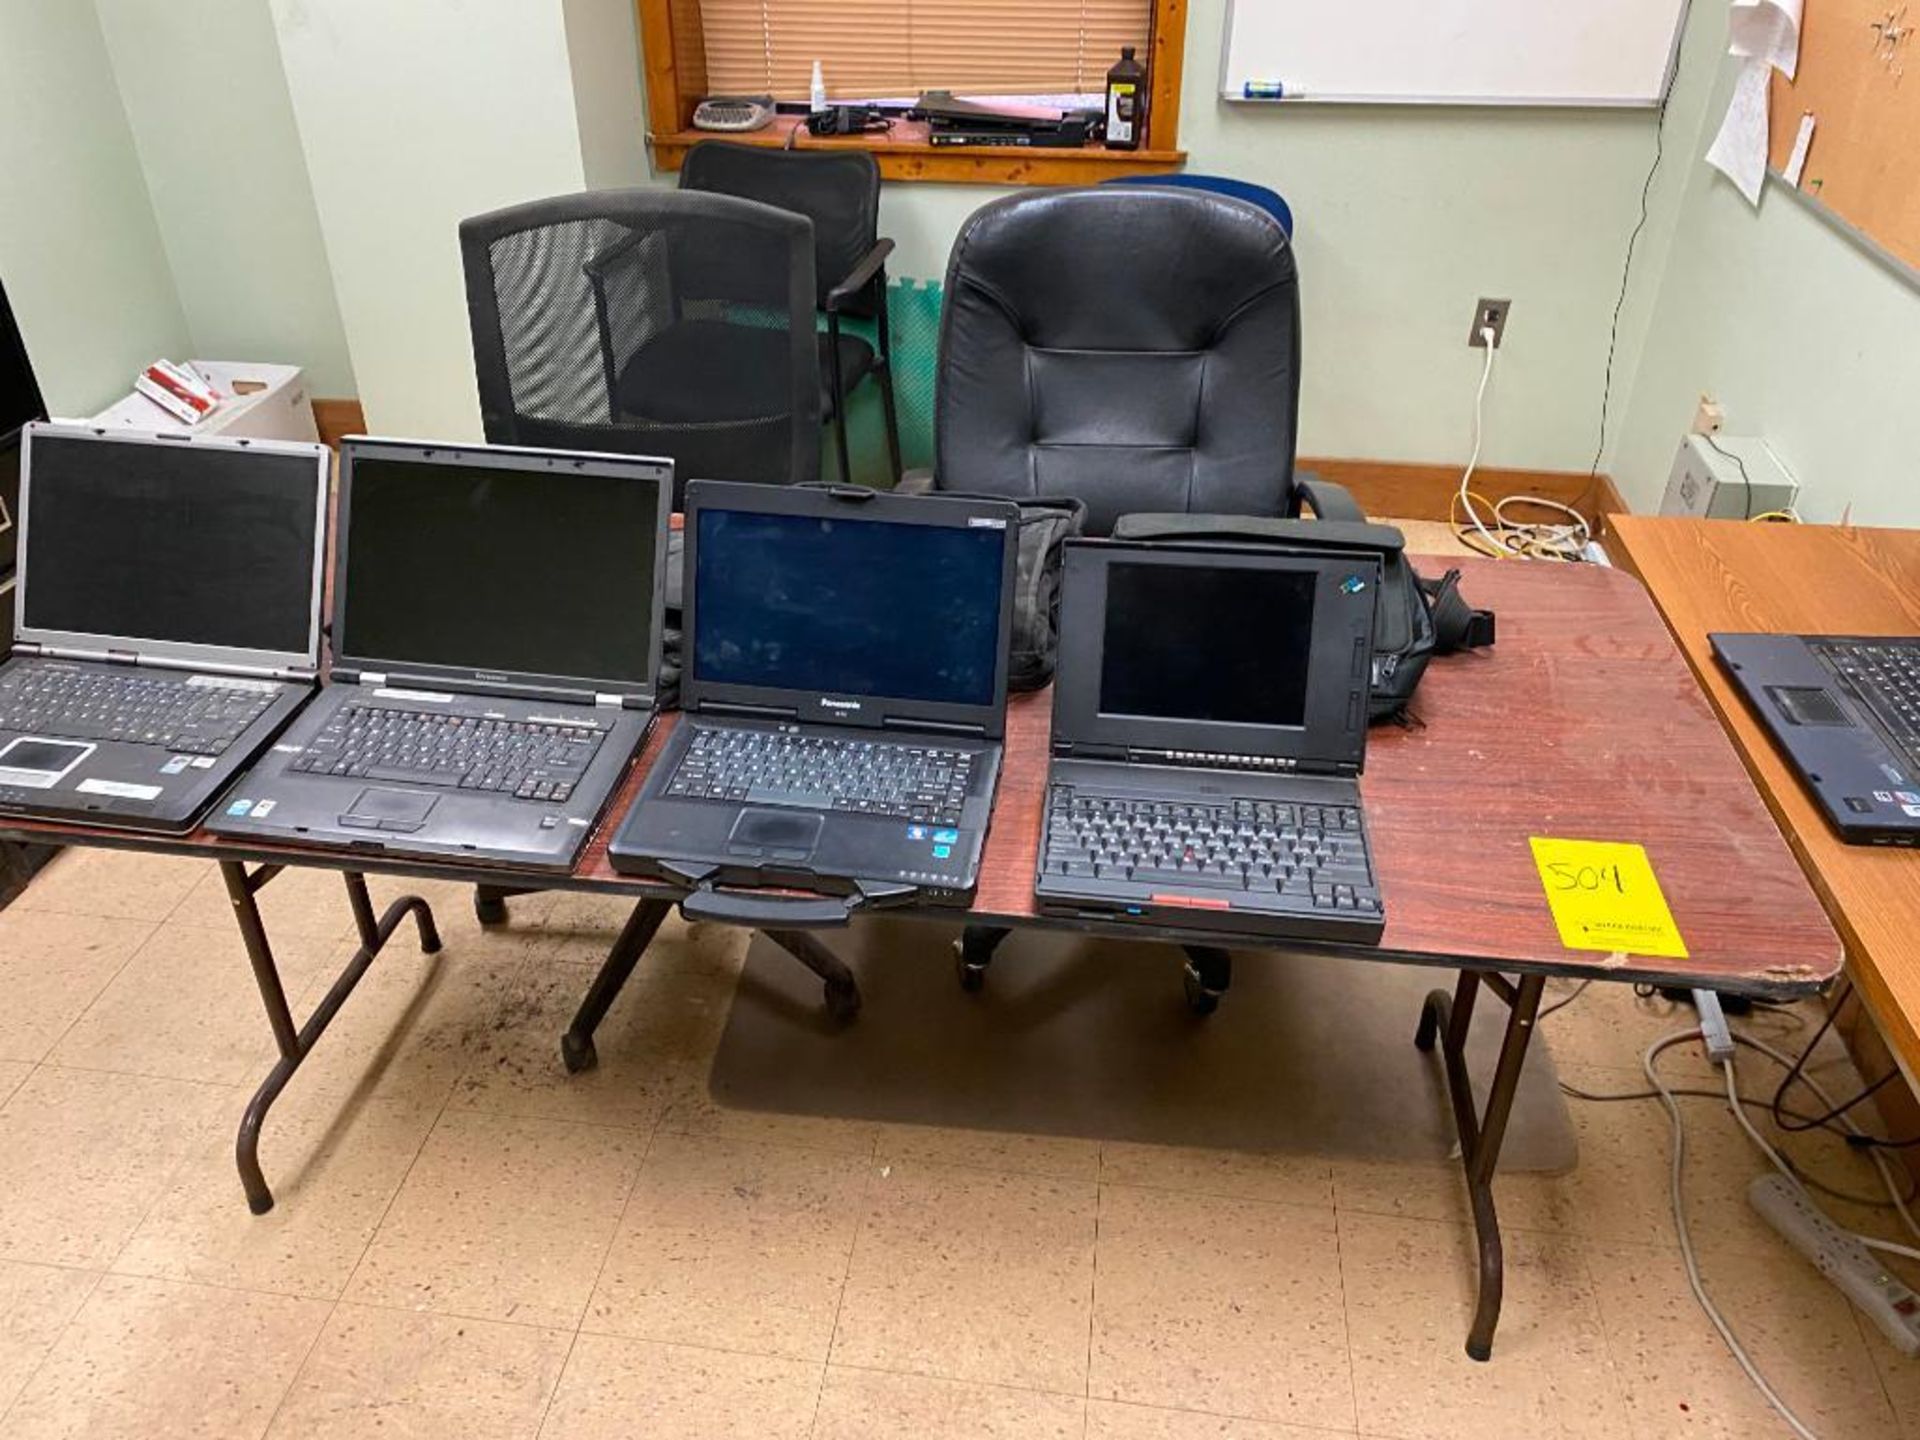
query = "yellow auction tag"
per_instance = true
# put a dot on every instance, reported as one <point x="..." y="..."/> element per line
<point x="1604" y="897"/>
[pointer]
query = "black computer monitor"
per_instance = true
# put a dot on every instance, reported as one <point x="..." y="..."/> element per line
<point x="19" y="402"/>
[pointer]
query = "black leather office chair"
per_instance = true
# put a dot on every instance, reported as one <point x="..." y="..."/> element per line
<point x="1137" y="348"/>
<point x="655" y="322"/>
<point x="839" y="190"/>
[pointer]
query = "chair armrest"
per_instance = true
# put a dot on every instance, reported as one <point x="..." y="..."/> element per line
<point x="915" y="482"/>
<point x="1328" y="500"/>
<point x="860" y="277"/>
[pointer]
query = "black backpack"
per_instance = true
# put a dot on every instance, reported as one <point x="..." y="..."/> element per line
<point x="1415" y="619"/>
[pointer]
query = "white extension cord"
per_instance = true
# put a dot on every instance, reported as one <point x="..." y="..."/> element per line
<point x="1557" y="540"/>
<point x="1677" y="1196"/>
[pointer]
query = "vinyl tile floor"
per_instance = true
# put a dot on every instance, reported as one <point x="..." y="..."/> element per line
<point x="471" y="1244"/>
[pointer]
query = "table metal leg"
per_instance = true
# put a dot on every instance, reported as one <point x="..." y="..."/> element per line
<point x="296" y="1043"/>
<point x="576" y="1046"/>
<point x="842" y="990"/>
<point x="1449" y="1017"/>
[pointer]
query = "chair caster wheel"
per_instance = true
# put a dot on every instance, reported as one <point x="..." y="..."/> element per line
<point x="1200" y="1000"/>
<point x="972" y="977"/>
<point x="577" y="1053"/>
<point x="843" y="1002"/>
<point x="489" y="909"/>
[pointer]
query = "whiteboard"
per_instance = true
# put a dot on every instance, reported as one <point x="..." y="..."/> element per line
<point x="1453" y="52"/>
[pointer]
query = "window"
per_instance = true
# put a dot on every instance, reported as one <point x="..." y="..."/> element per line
<point x="890" y="48"/>
<point x="894" y="49"/>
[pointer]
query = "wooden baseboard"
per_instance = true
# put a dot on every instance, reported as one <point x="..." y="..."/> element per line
<point x="334" y="418"/>
<point x="1425" y="492"/>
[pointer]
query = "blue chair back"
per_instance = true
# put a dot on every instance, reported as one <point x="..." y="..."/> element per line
<point x="1267" y="200"/>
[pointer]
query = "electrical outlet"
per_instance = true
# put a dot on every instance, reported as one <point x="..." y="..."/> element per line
<point x="1489" y="314"/>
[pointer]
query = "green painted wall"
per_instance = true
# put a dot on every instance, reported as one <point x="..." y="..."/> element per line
<point x="214" y="129"/>
<point x="80" y="251"/>
<point x="1803" y="337"/>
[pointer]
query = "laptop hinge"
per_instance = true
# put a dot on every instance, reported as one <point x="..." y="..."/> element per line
<point x="1069" y="750"/>
<point x="607" y="702"/>
<point x="754" y="712"/>
<point x="121" y="657"/>
<point x="939" y="727"/>
<point x="29" y="647"/>
<point x="368" y="677"/>
<point x="637" y="702"/>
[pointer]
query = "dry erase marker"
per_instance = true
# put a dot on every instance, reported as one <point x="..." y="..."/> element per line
<point x="1263" y="90"/>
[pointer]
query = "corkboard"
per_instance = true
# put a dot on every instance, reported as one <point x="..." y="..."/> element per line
<point x="1864" y="94"/>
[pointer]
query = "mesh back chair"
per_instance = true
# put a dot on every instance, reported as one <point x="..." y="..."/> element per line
<point x="649" y="322"/>
<point x="1136" y="348"/>
<point x="839" y="190"/>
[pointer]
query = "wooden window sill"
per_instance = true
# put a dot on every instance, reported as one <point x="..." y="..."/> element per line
<point x="905" y="153"/>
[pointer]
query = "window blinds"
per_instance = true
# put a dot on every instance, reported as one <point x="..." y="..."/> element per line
<point x="872" y="49"/>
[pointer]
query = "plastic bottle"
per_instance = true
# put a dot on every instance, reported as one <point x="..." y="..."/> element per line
<point x="817" y="95"/>
<point x="1126" y="102"/>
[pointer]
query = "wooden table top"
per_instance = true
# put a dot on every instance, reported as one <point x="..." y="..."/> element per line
<point x="1583" y="722"/>
<point x="1715" y="575"/>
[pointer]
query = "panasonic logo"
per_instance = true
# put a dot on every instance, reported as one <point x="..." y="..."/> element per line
<point x="840" y="704"/>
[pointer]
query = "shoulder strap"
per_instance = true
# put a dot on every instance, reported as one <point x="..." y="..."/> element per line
<point x="1456" y="624"/>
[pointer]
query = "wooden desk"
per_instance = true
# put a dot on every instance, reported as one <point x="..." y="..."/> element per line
<point x="1712" y="575"/>
<point x="1582" y="722"/>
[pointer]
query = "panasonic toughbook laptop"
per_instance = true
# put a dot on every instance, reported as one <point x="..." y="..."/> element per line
<point x="845" y="695"/>
<point x="169" y="619"/>
<point x="1845" y="710"/>
<point x="496" y="639"/>
<point x="1209" y="723"/>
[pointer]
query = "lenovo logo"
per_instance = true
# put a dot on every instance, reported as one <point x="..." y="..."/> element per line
<point x="846" y="705"/>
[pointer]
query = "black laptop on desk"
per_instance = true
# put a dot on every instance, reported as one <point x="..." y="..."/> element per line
<point x="1845" y="710"/>
<point x="1209" y="726"/>
<point x="169" y="619"/>
<point x="496" y="637"/>
<point x="845" y="691"/>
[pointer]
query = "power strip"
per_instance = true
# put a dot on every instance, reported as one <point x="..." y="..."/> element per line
<point x="1842" y="1259"/>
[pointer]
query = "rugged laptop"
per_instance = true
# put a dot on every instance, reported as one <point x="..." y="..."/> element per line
<point x="845" y="693"/>
<point x="169" y="619"/>
<point x="1209" y="723"/>
<point x="496" y="640"/>
<point x="1845" y="710"/>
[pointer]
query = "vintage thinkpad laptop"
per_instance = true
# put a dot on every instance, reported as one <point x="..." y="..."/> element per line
<point x="169" y="619"/>
<point x="845" y="693"/>
<point x="496" y="638"/>
<point x="1845" y="710"/>
<point x="1209" y="723"/>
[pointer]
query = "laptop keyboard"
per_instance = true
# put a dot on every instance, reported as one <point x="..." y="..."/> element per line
<point x="524" y="759"/>
<point x="1886" y="677"/>
<point x="1315" y="854"/>
<point x="825" y="772"/>
<point x="138" y="706"/>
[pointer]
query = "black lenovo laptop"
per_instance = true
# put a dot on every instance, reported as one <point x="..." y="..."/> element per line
<point x="1846" y="712"/>
<point x="845" y="693"/>
<point x="169" y="619"/>
<point x="496" y="639"/>
<point x="1209" y="723"/>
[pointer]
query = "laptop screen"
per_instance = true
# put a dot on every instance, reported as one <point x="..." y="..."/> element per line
<point x="194" y="544"/>
<point x="1176" y="644"/>
<point x="841" y="606"/>
<point x="521" y="570"/>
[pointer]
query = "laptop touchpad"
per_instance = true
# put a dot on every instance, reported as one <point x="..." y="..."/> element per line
<point x="401" y="810"/>
<point x="776" y="834"/>
<point x="1808" y="705"/>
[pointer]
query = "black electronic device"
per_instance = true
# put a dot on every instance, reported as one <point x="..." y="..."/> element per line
<point x="845" y="690"/>
<point x="496" y="638"/>
<point x="1209" y="727"/>
<point x="20" y="403"/>
<point x="169" y="619"/>
<point x="1845" y="710"/>
<point x="847" y="120"/>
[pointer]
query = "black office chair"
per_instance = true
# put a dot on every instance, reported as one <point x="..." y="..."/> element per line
<point x="839" y="190"/>
<point x="1138" y="349"/>
<point x="652" y="322"/>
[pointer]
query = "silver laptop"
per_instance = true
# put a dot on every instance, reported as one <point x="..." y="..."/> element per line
<point x="168" y="621"/>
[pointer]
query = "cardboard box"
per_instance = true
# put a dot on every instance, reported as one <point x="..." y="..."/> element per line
<point x="263" y="402"/>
